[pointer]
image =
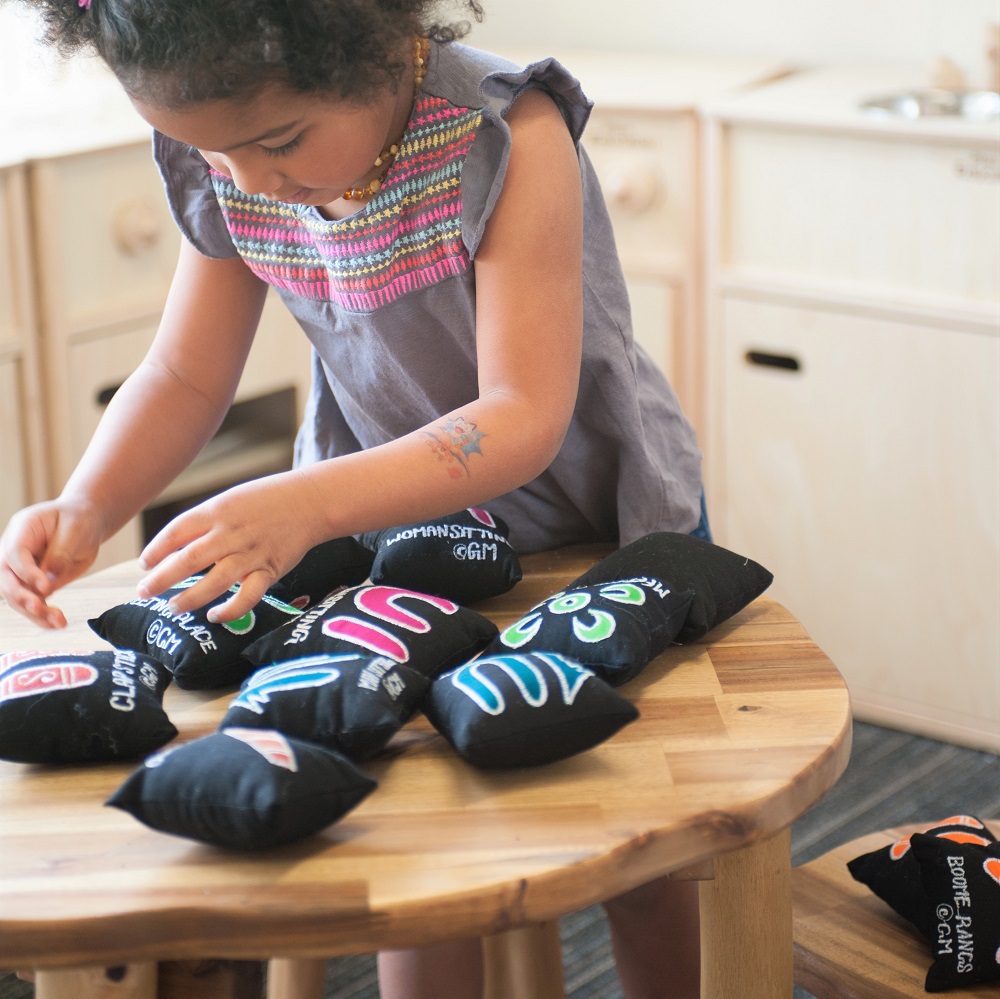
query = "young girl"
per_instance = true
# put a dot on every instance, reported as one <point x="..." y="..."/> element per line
<point x="426" y="212"/>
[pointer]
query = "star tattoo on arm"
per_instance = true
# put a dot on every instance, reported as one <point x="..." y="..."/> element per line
<point x="453" y="443"/>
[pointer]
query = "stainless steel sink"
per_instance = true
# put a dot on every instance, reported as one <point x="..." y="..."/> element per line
<point x="970" y="105"/>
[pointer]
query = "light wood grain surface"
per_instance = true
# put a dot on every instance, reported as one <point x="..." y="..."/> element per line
<point x="738" y="735"/>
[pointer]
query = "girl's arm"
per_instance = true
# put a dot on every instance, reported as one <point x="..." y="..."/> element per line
<point x="172" y="404"/>
<point x="157" y="422"/>
<point x="529" y="334"/>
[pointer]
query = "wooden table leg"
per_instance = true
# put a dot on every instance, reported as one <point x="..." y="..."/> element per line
<point x="526" y="962"/>
<point x="301" y="978"/>
<point x="746" y="923"/>
<point x="124" y="981"/>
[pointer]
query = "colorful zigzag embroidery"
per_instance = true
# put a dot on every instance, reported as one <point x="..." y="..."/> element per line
<point x="408" y="236"/>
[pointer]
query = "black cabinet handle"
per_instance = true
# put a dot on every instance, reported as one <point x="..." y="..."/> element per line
<point x="106" y="394"/>
<point x="784" y="362"/>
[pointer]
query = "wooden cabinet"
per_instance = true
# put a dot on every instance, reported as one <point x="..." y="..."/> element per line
<point x="105" y="251"/>
<point x="854" y="332"/>
<point x="864" y="474"/>
<point x="22" y="466"/>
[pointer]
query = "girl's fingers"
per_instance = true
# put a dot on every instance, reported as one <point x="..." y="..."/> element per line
<point x="29" y="574"/>
<point x="29" y="603"/>
<point x="212" y="585"/>
<point x="242" y="602"/>
<point x="167" y="575"/>
<point x="178" y="538"/>
<point x="24" y="565"/>
<point x="175" y="566"/>
<point x="53" y="618"/>
<point x="218" y="582"/>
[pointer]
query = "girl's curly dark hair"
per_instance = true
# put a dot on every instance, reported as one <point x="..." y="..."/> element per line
<point x="173" y="52"/>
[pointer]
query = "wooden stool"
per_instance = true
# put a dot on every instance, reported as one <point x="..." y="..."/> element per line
<point x="848" y="944"/>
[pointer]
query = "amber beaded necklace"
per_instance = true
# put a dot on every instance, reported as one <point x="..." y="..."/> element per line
<point x="384" y="160"/>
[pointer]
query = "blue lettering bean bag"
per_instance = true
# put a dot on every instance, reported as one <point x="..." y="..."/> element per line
<point x="346" y="701"/>
<point x="524" y="710"/>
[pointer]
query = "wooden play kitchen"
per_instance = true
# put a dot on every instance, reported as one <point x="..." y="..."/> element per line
<point x="853" y="345"/>
<point x="738" y="735"/>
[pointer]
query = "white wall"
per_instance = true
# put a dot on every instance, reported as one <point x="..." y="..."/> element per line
<point x="911" y="33"/>
<point x="29" y="72"/>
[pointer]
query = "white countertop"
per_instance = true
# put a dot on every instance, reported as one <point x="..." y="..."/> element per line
<point x="666" y="82"/>
<point x="92" y="112"/>
<point x="87" y="116"/>
<point x="831" y="98"/>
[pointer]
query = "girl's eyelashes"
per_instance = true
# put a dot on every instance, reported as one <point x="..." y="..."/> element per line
<point x="282" y="150"/>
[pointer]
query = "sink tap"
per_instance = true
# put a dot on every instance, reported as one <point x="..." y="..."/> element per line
<point x="945" y="75"/>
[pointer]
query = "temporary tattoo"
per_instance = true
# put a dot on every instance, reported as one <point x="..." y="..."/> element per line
<point x="457" y="440"/>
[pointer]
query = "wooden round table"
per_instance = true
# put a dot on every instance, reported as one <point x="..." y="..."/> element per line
<point x="738" y="735"/>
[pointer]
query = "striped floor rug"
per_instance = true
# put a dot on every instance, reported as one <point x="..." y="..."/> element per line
<point x="893" y="778"/>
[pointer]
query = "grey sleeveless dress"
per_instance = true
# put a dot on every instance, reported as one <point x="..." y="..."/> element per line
<point x="387" y="297"/>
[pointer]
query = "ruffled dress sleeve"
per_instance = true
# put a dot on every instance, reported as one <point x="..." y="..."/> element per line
<point x="484" y="81"/>
<point x="192" y="198"/>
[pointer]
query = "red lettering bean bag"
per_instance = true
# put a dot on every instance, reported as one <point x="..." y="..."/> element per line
<point x="423" y="632"/>
<point x="81" y="707"/>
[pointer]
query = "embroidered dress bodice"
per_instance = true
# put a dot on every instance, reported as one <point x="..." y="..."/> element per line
<point x="408" y="236"/>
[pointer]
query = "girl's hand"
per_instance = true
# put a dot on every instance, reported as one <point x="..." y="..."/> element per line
<point x="44" y="547"/>
<point x="250" y="535"/>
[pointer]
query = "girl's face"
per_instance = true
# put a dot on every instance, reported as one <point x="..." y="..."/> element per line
<point x="288" y="146"/>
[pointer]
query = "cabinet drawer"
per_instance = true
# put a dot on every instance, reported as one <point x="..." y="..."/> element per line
<point x="645" y="163"/>
<point x="14" y="492"/>
<point x="862" y="467"/>
<point x="885" y="216"/>
<point x="107" y="245"/>
<point x="97" y="368"/>
<point x="94" y="367"/>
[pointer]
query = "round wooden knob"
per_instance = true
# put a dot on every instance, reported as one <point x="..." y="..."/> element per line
<point x="632" y="188"/>
<point x="137" y="227"/>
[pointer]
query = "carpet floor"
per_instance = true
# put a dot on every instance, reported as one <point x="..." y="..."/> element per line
<point x="892" y="778"/>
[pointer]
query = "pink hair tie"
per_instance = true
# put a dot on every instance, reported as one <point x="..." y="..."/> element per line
<point x="83" y="4"/>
